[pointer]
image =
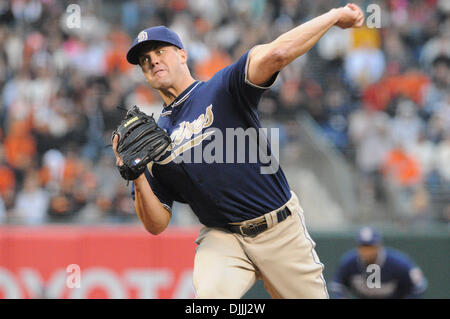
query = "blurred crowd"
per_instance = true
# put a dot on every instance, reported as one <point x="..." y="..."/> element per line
<point x="380" y="95"/>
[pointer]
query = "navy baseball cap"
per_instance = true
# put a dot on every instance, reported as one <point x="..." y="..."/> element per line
<point x="367" y="236"/>
<point x="158" y="33"/>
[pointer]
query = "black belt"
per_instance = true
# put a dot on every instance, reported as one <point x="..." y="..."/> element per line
<point x="258" y="227"/>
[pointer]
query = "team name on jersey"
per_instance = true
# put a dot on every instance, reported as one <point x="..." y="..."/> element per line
<point x="188" y="129"/>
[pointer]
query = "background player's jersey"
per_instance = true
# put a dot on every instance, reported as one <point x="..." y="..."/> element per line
<point x="224" y="190"/>
<point x="399" y="277"/>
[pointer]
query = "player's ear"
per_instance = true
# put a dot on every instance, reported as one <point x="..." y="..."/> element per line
<point x="183" y="55"/>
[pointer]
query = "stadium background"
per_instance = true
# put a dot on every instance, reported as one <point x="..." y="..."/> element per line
<point x="364" y="121"/>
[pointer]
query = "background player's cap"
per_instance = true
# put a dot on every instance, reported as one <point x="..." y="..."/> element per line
<point x="367" y="236"/>
<point x="158" y="33"/>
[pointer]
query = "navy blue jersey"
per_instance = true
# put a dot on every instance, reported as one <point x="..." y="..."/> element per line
<point x="227" y="189"/>
<point x="399" y="277"/>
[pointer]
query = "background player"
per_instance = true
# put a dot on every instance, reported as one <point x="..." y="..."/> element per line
<point x="254" y="224"/>
<point x="399" y="277"/>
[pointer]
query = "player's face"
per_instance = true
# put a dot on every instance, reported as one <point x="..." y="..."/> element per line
<point x="160" y="65"/>
<point x="368" y="253"/>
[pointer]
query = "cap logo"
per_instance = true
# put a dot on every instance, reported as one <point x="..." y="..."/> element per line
<point x="142" y="36"/>
<point x="366" y="234"/>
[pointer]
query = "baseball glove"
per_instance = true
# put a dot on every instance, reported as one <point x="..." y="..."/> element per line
<point x="140" y="141"/>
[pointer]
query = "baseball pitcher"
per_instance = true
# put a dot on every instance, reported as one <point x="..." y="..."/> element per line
<point x="253" y="224"/>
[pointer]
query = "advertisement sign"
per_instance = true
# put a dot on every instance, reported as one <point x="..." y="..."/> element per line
<point x="96" y="262"/>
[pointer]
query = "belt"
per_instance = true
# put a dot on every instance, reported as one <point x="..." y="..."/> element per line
<point x="253" y="229"/>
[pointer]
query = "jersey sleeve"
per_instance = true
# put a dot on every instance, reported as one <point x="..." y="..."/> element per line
<point x="158" y="189"/>
<point x="239" y="86"/>
<point x="412" y="280"/>
<point x="418" y="282"/>
<point x="339" y="285"/>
